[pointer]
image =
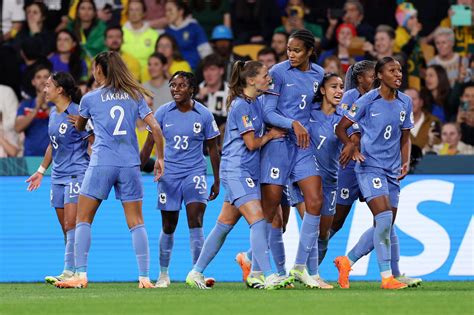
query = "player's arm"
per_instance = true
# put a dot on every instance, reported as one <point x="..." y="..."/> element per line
<point x="405" y="148"/>
<point x="158" y="139"/>
<point x="35" y="179"/>
<point x="146" y="150"/>
<point x="81" y="123"/>
<point x="254" y="143"/>
<point x="349" y="147"/>
<point x="215" y="160"/>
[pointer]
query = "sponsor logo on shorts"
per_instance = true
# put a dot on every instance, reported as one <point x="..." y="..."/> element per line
<point x="275" y="172"/>
<point x="197" y="127"/>
<point x="377" y="182"/>
<point x="345" y="193"/>
<point x="250" y="182"/>
<point x="163" y="198"/>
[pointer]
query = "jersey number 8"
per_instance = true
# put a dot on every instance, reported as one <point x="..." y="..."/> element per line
<point x="388" y="132"/>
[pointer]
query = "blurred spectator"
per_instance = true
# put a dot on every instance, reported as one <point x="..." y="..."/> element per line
<point x="344" y="34"/>
<point x="210" y="13"/>
<point x="67" y="57"/>
<point x="451" y="61"/>
<point x="10" y="68"/>
<point x="294" y="20"/>
<point x="111" y="12"/>
<point x="267" y="56"/>
<point x="451" y="143"/>
<point x="424" y="120"/>
<point x="213" y="90"/>
<point x="465" y="117"/>
<point x="187" y="32"/>
<point x="253" y="21"/>
<point x="33" y="116"/>
<point x="279" y="44"/>
<point x="437" y="92"/>
<point x="12" y="17"/>
<point x="222" y="44"/>
<point x="35" y="26"/>
<point x="57" y="14"/>
<point x="166" y="45"/>
<point x="156" y="14"/>
<point x="114" y="41"/>
<point x="332" y="64"/>
<point x="88" y="28"/>
<point x="8" y="136"/>
<point x="158" y="83"/>
<point x="138" y="37"/>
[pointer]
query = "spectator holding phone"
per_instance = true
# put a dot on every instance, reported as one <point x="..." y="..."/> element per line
<point x="464" y="41"/>
<point x="451" y="143"/>
<point x="465" y="117"/>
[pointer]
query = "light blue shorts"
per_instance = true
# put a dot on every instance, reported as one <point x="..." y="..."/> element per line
<point x="172" y="192"/>
<point x="67" y="192"/>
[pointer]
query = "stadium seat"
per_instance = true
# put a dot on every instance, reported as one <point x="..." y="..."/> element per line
<point x="250" y="50"/>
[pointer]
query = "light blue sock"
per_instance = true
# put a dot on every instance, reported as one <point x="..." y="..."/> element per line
<point x="323" y="249"/>
<point x="308" y="236"/>
<point x="395" y="251"/>
<point x="142" y="251"/>
<point x="196" y="241"/>
<point x="259" y="244"/>
<point x="364" y="246"/>
<point x="82" y="244"/>
<point x="383" y="225"/>
<point x="166" y="247"/>
<point x="69" y="251"/>
<point x="312" y="263"/>
<point x="212" y="245"/>
<point x="277" y="247"/>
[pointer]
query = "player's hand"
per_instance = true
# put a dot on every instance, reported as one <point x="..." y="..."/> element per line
<point x="159" y="169"/>
<point x="357" y="156"/>
<point x="276" y="133"/>
<point x="214" y="191"/>
<point x="404" y="171"/>
<point x="302" y="135"/>
<point x="346" y="154"/>
<point x="72" y="119"/>
<point x="34" y="181"/>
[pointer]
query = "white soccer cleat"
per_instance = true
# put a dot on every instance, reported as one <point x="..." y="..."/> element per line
<point x="196" y="280"/>
<point x="273" y="282"/>
<point x="62" y="277"/>
<point x="410" y="282"/>
<point x="304" y="277"/>
<point x="163" y="281"/>
<point x="322" y="284"/>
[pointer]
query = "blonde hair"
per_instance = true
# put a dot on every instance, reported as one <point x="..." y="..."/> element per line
<point x="117" y="75"/>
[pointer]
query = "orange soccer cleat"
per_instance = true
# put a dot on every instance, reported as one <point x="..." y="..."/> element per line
<point x="145" y="284"/>
<point x="344" y="267"/>
<point x="391" y="283"/>
<point x="244" y="264"/>
<point x="74" y="283"/>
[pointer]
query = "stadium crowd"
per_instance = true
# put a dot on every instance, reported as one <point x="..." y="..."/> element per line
<point x="156" y="38"/>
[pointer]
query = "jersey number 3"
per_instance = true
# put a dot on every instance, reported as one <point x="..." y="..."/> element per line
<point x="117" y="131"/>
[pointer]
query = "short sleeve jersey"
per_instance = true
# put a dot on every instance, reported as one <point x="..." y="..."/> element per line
<point x="185" y="134"/>
<point x="114" y="115"/>
<point x="237" y="160"/>
<point x="381" y="123"/>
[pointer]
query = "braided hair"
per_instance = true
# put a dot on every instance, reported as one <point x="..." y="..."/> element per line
<point x="358" y="69"/>
<point x="308" y="40"/>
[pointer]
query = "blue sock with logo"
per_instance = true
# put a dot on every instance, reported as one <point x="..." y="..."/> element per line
<point x="259" y="244"/>
<point x="69" y="251"/>
<point x="196" y="240"/>
<point x="323" y="249"/>
<point x="212" y="245"/>
<point x="82" y="245"/>
<point x="277" y="247"/>
<point x="364" y="246"/>
<point x="166" y="247"/>
<point x="308" y="236"/>
<point x="395" y="251"/>
<point x="142" y="251"/>
<point x="383" y="226"/>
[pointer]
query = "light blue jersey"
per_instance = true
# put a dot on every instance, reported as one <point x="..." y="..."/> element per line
<point x="69" y="146"/>
<point x="185" y="134"/>
<point x="326" y="143"/>
<point x="237" y="160"/>
<point x="381" y="123"/>
<point x="114" y="115"/>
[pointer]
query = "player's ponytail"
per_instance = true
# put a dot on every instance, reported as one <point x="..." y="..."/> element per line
<point x="356" y="70"/>
<point x="117" y="75"/>
<point x="67" y="83"/>
<point x="238" y="80"/>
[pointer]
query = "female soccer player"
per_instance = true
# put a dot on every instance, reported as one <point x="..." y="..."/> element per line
<point x="115" y="161"/>
<point x="68" y="153"/>
<point x="295" y="82"/>
<point x="385" y="118"/>
<point x="186" y="126"/>
<point x="240" y="174"/>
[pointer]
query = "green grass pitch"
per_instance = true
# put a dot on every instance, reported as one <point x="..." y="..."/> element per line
<point x="233" y="298"/>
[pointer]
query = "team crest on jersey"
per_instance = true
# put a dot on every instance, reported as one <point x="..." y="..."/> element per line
<point x="62" y="128"/>
<point x="163" y="198"/>
<point x="250" y="182"/>
<point x="353" y="110"/>
<point x="275" y="172"/>
<point x="247" y="121"/>
<point x="402" y="115"/>
<point x="186" y="36"/>
<point x="377" y="182"/>
<point x="197" y="127"/>
<point x="345" y="193"/>
<point x="315" y="87"/>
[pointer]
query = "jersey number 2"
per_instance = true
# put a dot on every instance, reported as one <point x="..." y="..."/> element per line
<point x="117" y="131"/>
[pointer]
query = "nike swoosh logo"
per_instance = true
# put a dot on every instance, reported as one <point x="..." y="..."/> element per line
<point x="375" y="114"/>
<point x="312" y="120"/>
<point x="290" y="84"/>
<point x="168" y="125"/>
<point x="254" y="118"/>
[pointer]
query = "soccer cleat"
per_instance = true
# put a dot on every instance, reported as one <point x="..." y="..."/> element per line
<point x="391" y="283"/>
<point x="244" y="263"/>
<point x="163" y="281"/>
<point x="255" y="281"/>
<point x="196" y="280"/>
<point x="304" y="277"/>
<point x="145" y="283"/>
<point x="344" y="267"/>
<point x="410" y="282"/>
<point x="209" y="282"/>
<point x="273" y="282"/>
<point x="286" y="281"/>
<point x="62" y="277"/>
<point x="322" y="284"/>
<point x="73" y="283"/>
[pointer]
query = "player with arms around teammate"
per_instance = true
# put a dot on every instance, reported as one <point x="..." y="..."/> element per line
<point x="186" y="125"/>
<point x="67" y="151"/>
<point x="240" y="173"/>
<point x="115" y="160"/>
<point x="385" y="118"/>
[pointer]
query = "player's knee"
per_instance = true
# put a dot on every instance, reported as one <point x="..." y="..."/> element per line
<point x="314" y="203"/>
<point x="195" y="222"/>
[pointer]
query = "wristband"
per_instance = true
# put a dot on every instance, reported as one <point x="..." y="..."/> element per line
<point x="41" y="170"/>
